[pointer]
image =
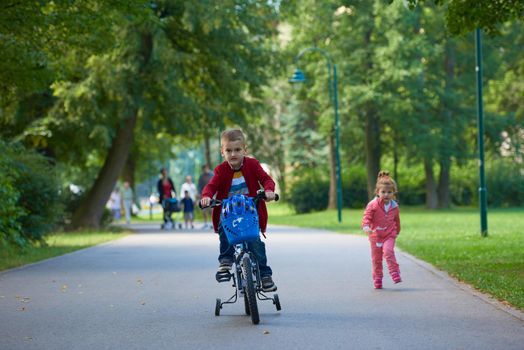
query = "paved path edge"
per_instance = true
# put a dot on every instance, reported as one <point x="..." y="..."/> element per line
<point x="487" y="298"/>
<point x="21" y="267"/>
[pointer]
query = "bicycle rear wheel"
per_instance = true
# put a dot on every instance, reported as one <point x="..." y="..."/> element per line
<point x="251" y="295"/>
<point x="246" y="304"/>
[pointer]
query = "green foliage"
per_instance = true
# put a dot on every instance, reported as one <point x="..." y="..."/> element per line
<point x="31" y="205"/>
<point x="354" y="187"/>
<point x="30" y="61"/>
<point x="9" y="212"/>
<point x="505" y="185"/>
<point x="463" y="16"/>
<point x="309" y="192"/>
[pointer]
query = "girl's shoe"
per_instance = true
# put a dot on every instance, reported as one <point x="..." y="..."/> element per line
<point x="377" y="283"/>
<point x="396" y="277"/>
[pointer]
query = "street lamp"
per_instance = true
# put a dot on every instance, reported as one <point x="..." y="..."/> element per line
<point x="480" y="117"/>
<point x="298" y="77"/>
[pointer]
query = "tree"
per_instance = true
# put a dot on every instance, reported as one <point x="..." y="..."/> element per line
<point x="160" y="75"/>
<point x="463" y="16"/>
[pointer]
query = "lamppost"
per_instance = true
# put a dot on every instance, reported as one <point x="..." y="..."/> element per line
<point x="298" y="77"/>
<point x="480" y="117"/>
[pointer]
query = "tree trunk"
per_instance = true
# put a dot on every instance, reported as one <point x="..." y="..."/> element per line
<point x="395" y="161"/>
<point x="431" y="186"/>
<point x="444" y="197"/>
<point x="128" y="172"/>
<point x="207" y="150"/>
<point x="373" y="151"/>
<point x="91" y="209"/>
<point x="372" y="128"/>
<point x="332" y="202"/>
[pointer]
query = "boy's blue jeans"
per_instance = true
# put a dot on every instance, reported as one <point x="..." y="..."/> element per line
<point x="256" y="247"/>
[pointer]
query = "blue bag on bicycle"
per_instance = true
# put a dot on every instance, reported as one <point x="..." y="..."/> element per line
<point x="239" y="219"/>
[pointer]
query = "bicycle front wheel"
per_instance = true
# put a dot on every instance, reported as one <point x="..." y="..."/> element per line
<point x="251" y="295"/>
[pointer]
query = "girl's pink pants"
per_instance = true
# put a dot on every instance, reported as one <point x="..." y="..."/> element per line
<point x="387" y="251"/>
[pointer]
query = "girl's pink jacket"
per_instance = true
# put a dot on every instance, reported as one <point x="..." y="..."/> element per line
<point x="383" y="225"/>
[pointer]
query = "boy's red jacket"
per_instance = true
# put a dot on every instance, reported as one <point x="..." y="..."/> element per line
<point x="255" y="178"/>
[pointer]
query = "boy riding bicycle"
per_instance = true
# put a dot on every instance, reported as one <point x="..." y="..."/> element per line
<point x="239" y="174"/>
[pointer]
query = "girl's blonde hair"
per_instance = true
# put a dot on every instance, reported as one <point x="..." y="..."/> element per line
<point x="383" y="179"/>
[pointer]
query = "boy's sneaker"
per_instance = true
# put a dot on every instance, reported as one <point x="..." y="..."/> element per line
<point x="377" y="283"/>
<point x="396" y="277"/>
<point x="268" y="285"/>
<point x="225" y="266"/>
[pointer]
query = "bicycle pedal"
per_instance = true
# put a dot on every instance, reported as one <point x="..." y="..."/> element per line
<point x="223" y="276"/>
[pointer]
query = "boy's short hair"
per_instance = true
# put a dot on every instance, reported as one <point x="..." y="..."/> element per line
<point x="233" y="135"/>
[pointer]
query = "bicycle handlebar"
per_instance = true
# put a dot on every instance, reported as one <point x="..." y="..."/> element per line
<point x="261" y="194"/>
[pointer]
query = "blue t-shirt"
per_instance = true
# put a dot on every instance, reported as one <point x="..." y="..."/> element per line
<point x="188" y="205"/>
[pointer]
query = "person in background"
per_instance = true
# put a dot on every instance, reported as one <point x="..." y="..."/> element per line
<point x="189" y="209"/>
<point x="203" y="180"/>
<point x="190" y="187"/>
<point x="166" y="190"/>
<point x="128" y="197"/>
<point x="115" y="202"/>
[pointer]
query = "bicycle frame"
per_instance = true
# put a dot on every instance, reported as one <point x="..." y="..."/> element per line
<point x="252" y="274"/>
<point x="240" y="250"/>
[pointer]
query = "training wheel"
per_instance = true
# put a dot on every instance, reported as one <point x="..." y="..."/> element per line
<point x="276" y="301"/>
<point x="218" y="306"/>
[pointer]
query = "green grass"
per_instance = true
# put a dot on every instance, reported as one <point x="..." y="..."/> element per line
<point x="449" y="240"/>
<point x="56" y="244"/>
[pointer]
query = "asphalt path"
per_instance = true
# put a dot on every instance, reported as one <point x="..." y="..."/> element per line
<point x="156" y="290"/>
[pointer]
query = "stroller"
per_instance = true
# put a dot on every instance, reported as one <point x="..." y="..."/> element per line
<point x="170" y="206"/>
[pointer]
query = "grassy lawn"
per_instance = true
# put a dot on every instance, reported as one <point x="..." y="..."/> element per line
<point x="57" y="244"/>
<point x="448" y="239"/>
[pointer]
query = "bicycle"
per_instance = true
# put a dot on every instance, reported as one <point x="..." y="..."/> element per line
<point x="246" y="277"/>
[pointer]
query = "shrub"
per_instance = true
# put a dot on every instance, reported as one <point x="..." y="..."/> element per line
<point x="505" y="184"/>
<point x="9" y="212"/>
<point x="31" y="204"/>
<point x="309" y="193"/>
<point x="354" y="188"/>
